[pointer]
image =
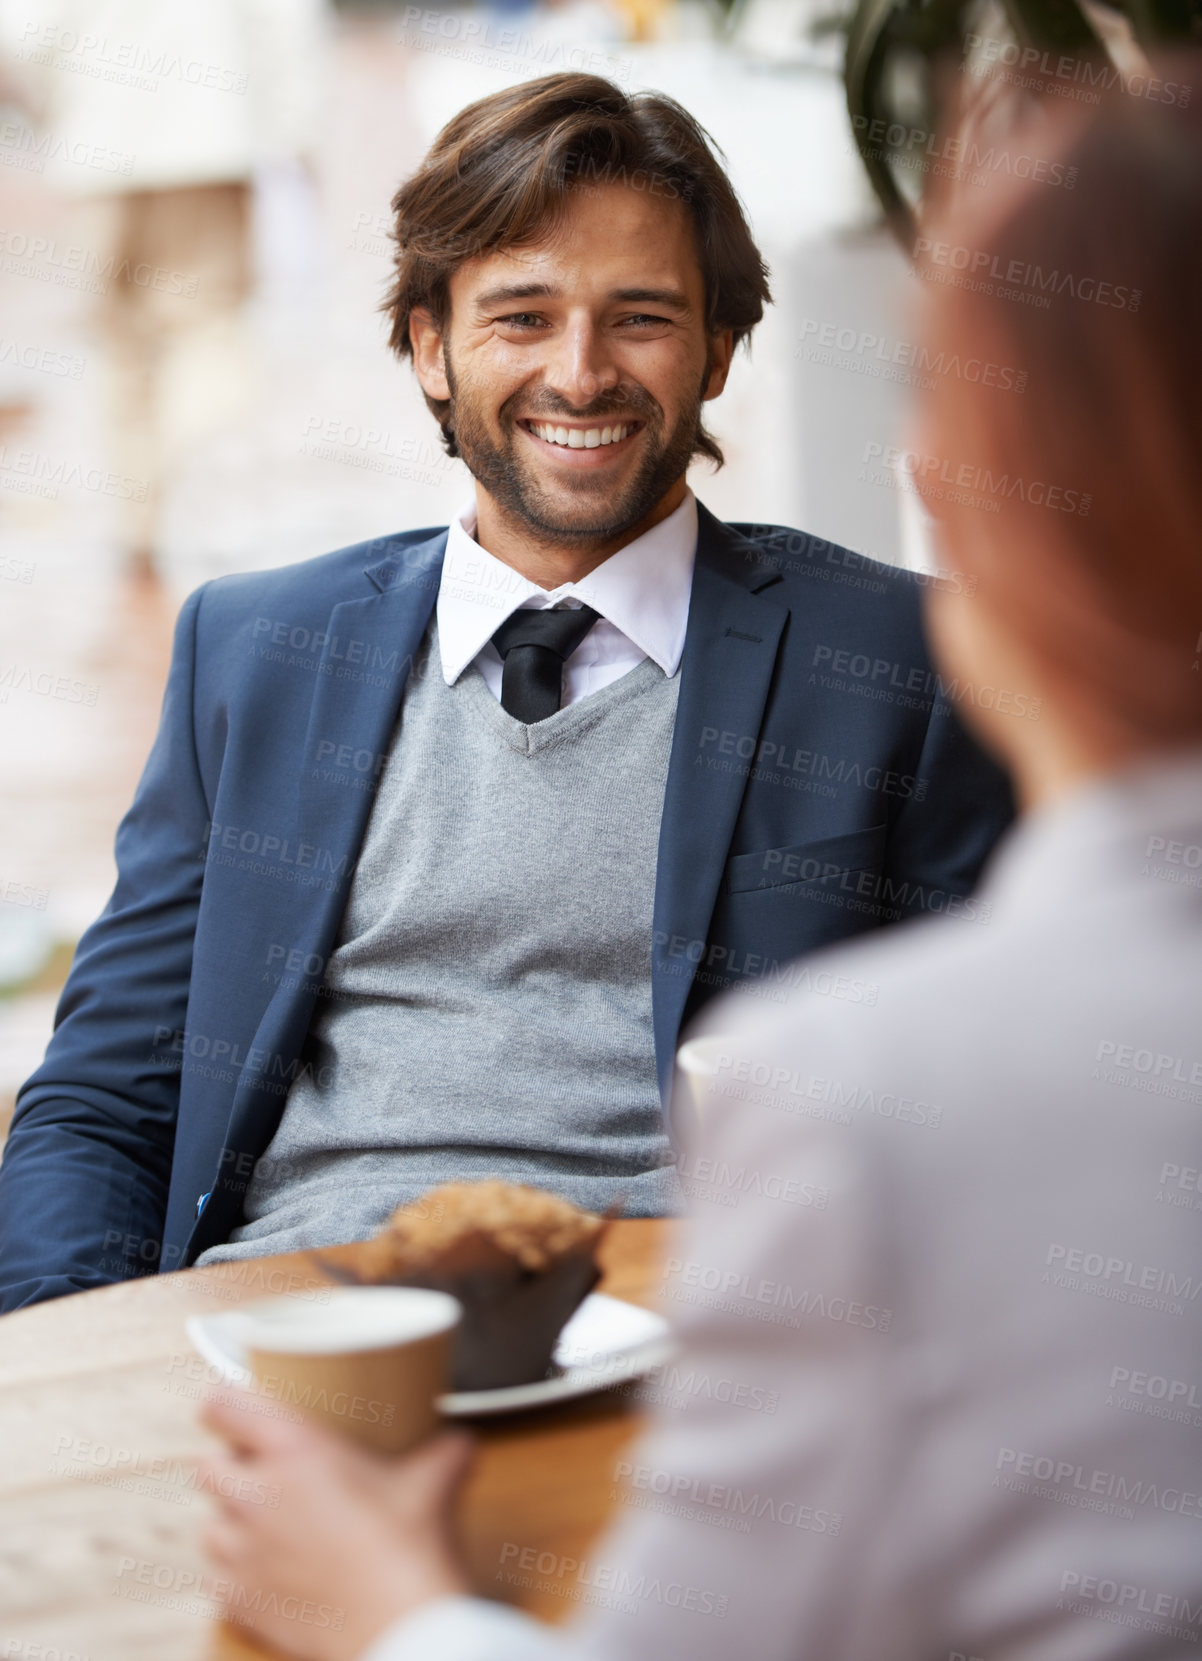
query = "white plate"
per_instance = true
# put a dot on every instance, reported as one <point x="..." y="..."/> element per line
<point x="606" y="1342"/>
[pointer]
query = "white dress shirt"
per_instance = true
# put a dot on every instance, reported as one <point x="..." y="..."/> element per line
<point x="642" y="593"/>
<point x="980" y="1321"/>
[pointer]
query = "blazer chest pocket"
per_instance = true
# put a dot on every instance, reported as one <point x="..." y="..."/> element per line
<point x="806" y="862"/>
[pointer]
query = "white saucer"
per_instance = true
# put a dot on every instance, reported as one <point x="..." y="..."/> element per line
<point x="606" y="1342"/>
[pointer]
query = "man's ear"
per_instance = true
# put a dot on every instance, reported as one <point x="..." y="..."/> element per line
<point x="722" y="348"/>
<point x="425" y="337"/>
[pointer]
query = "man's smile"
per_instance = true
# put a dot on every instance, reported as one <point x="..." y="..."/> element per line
<point x="581" y="444"/>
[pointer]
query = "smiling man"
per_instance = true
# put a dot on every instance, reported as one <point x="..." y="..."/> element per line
<point x="577" y="392"/>
<point x="444" y="836"/>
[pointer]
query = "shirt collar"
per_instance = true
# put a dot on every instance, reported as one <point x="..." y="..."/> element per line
<point x="643" y="590"/>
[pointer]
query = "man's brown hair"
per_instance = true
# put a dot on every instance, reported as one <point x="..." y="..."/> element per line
<point x="498" y="176"/>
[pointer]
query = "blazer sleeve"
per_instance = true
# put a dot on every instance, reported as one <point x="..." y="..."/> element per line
<point x="946" y="830"/>
<point x="83" y="1184"/>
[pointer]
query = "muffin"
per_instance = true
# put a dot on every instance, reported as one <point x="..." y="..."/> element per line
<point x="519" y="1260"/>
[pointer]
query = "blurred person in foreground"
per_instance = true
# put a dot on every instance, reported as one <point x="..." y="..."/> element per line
<point x="446" y="834"/>
<point x="977" y="1341"/>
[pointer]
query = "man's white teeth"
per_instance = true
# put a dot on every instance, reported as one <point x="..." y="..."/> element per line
<point x="581" y="438"/>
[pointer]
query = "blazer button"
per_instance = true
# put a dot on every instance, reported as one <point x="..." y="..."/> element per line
<point x="200" y="1204"/>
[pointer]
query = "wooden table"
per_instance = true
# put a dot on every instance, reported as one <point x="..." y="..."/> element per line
<point x="99" y="1515"/>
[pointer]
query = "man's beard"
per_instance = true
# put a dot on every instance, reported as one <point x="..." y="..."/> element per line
<point x="557" y="517"/>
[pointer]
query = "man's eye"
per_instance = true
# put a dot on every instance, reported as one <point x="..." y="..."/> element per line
<point x="644" y="319"/>
<point x="521" y="320"/>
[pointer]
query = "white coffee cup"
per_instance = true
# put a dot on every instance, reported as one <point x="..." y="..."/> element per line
<point x="371" y="1361"/>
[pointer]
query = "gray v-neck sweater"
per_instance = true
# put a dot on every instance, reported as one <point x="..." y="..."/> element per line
<point x="487" y="1009"/>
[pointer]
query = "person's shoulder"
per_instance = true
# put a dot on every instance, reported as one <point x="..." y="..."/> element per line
<point x="326" y="579"/>
<point x="1012" y="1008"/>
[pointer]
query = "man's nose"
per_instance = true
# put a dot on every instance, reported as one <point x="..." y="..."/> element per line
<point x="580" y="366"/>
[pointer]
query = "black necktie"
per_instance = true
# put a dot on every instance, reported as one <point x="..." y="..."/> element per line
<point x="534" y="646"/>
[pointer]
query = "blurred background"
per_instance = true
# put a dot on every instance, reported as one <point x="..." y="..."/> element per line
<point x="194" y="218"/>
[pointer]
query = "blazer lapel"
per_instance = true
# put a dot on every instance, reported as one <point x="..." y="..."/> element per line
<point x="365" y="664"/>
<point x="726" y="670"/>
<point x="364" y="669"/>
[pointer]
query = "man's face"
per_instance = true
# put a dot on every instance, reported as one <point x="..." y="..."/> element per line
<point x="576" y="368"/>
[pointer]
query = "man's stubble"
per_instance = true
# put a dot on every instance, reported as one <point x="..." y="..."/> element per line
<point x="555" y="518"/>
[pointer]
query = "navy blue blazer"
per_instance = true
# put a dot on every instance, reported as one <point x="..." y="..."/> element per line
<point x="819" y="785"/>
